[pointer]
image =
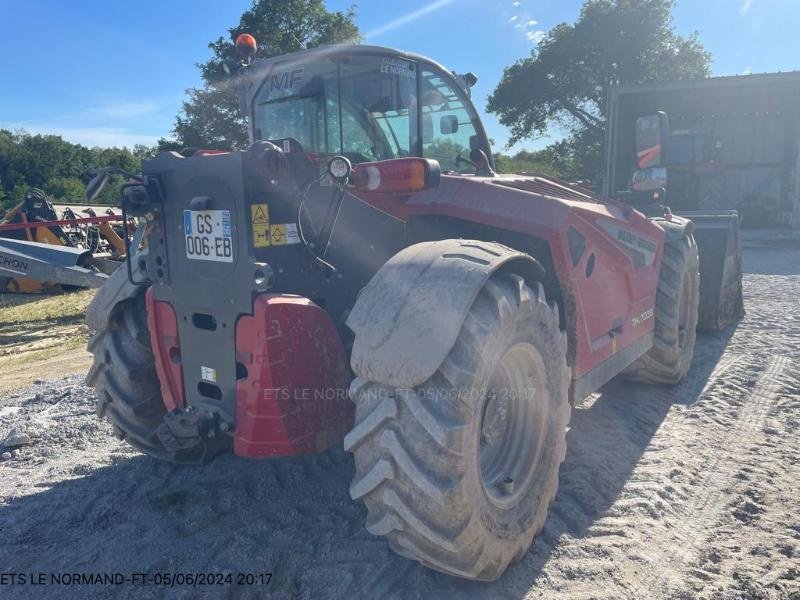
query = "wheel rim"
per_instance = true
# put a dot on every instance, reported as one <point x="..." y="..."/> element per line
<point x="683" y="311"/>
<point x="513" y="425"/>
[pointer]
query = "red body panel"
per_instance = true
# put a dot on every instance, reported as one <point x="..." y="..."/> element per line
<point x="606" y="310"/>
<point x="294" y="398"/>
<point x="167" y="351"/>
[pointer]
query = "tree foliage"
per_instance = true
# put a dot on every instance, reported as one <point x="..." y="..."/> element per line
<point x="548" y="161"/>
<point x="566" y="79"/>
<point x="56" y="166"/>
<point x="210" y="116"/>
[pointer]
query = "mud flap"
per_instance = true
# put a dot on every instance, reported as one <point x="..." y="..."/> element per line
<point x="407" y="318"/>
<point x="717" y="237"/>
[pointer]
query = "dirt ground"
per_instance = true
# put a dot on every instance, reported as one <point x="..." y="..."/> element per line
<point x="42" y="336"/>
<point x="684" y="492"/>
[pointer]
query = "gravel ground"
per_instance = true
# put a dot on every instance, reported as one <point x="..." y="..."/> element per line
<point x="684" y="492"/>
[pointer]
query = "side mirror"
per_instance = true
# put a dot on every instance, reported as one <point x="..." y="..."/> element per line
<point x="647" y="180"/>
<point x="448" y="124"/>
<point x="652" y="135"/>
<point x="97" y="184"/>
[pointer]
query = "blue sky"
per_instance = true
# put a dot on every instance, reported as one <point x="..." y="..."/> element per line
<point x="113" y="73"/>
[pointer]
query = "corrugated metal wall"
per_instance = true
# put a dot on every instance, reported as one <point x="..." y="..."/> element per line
<point x="755" y="118"/>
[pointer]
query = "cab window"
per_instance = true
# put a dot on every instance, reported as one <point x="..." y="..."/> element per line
<point x="363" y="107"/>
<point x="448" y="123"/>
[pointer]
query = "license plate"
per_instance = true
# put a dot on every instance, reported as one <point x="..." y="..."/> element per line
<point x="208" y="235"/>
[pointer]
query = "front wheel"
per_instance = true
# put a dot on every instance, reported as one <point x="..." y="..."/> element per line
<point x="676" y="312"/>
<point x="459" y="472"/>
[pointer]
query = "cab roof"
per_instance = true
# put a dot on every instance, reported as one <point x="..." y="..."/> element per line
<point x="342" y="50"/>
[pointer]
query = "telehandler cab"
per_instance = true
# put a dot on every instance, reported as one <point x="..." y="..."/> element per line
<point x="360" y="276"/>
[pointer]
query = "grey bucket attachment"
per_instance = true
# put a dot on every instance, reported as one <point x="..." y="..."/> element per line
<point x="717" y="236"/>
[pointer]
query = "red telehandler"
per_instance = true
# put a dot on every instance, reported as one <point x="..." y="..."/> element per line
<point x="361" y="276"/>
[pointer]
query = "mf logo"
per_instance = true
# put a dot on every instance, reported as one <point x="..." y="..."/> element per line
<point x="285" y="80"/>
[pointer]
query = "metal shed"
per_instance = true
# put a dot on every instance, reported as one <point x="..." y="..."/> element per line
<point x="734" y="143"/>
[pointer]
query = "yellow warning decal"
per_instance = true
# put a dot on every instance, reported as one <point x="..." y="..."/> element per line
<point x="285" y="233"/>
<point x="277" y="235"/>
<point x="259" y="218"/>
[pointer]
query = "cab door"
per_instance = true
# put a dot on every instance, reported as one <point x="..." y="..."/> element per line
<point x="449" y="125"/>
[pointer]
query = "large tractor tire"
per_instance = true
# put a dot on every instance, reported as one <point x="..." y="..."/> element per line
<point x="676" y="311"/>
<point x="458" y="473"/>
<point x="128" y="391"/>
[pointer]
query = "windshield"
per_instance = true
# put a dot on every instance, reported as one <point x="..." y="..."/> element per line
<point x="361" y="107"/>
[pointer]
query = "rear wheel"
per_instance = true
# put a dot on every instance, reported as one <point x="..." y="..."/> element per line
<point x="677" y="297"/>
<point x="459" y="472"/>
<point x="128" y="391"/>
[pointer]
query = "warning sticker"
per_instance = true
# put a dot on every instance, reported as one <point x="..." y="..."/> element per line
<point x="208" y="374"/>
<point x="259" y="218"/>
<point x="277" y="235"/>
<point x="285" y="233"/>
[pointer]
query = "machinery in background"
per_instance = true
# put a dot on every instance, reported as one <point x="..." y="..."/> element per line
<point x="47" y="248"/>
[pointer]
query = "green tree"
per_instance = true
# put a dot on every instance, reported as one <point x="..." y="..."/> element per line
<point x="566" y="79"/>
<point x="524" y="161"/>
<point x="56" y="166"/>
<point x="68" y="189"/>
<point x="210" y="116"/>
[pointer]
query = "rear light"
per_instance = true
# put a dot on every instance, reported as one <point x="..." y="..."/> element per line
<point x="397" y="176"/>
